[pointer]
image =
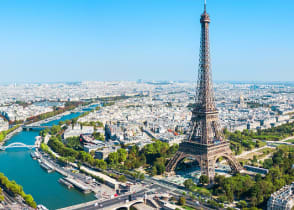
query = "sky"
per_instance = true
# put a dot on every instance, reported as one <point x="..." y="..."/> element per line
<point x="84" y="40"/>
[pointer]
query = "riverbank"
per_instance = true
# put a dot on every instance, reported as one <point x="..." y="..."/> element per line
<point x="10" y="135"/>
<point x="81" y="181"/>
<point x="43" y="186"/>
<point x="56" y="117"/>
<point x="15" y="190"/>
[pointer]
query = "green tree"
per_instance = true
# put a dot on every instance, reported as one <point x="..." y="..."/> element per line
<point x="153" y="171"/>
<point x="122" y="178"/>
<point x="16" y="189"/>
<point x="203" y="179"/>
<point x="55" y="129"/>
<point x="222" y="199"/>
<point x="1" y="195"/>
<point x="268" y="163"/>
<point x="113" y="158"/>
<point x="74" y="142"/>
<point x="242" y="204"/>
<point x="141" y="176"/>
<point x="182" y="201"/>
<point x="100" y="164"/>
<point x="122" y="155"/>
<point x="30" y="201"/>
<point x="189" y="184"/>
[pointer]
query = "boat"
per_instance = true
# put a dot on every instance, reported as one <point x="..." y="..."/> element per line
<point x="37" y="155"/>
<point x="98" y="196"/>
<point x="46" y="167"/>
<point x="33" y="155"/>
<point x="66" y="183"/>
<point x="41" y="207"/>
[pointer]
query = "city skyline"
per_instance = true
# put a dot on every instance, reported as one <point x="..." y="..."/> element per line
<point x="110" y="40"/>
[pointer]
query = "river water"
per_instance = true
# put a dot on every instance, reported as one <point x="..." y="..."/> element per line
<point x="18" y="165"/>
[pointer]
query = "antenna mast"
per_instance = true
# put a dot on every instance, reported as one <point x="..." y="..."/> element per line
<point x="205" y="5"/>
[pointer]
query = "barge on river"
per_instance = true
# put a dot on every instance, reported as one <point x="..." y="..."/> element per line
<point x="66" y="183"/>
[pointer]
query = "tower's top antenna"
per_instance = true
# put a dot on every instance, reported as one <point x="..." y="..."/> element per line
<point x="205" y="5"/>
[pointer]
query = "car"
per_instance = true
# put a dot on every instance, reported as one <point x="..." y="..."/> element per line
<point x="96" y="204"/>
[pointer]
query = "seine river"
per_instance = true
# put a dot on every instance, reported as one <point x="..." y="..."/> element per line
<point x="18" y="165"/>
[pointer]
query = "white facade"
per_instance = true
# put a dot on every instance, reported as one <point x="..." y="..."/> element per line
<point x="283" y="199"/>
<point x="77" y="130"/>
<point x="4" y="125"/>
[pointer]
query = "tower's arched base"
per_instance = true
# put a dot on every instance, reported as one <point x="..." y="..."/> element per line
<point x="206" y="155"/>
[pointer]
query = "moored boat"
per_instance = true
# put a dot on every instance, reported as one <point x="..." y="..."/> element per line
<point x="66" y="183"/>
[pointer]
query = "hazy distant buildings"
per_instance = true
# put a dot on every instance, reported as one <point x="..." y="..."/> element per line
<point x="162" y="108"/>
<point x="17" y="112"/>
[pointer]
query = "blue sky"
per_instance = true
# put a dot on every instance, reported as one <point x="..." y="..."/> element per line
<point x="75" y="40"/>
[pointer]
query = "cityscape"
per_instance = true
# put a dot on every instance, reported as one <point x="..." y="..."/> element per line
<point x="149" y="144"/>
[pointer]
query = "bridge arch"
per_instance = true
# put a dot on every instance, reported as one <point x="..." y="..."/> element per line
<point x="135" y="203"/>
<point x="17" y="145"/>
<point x="127" y="206"/>
<point x="229" y="159"/>
<point x="180" y="156"/>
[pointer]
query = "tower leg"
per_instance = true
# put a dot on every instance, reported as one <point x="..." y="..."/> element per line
<point x="207" y="167"/>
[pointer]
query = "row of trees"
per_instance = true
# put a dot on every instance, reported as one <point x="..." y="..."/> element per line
<point x="57" y="146"/>
<point x="3" y="134"/>
<point x="276" y="133"/>
<point x="154" y="155"/>
<point x="57" y="110"/>
<point x="14" y="189"/>
<point x="54" y="130"/>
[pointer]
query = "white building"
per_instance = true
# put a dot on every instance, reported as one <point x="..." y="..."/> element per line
<point x="77" y="130"/>
<point x="4" y="125"/>
<point x="283" y="199"/>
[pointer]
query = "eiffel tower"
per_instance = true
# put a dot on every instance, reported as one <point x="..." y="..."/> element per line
<point x="206" y="142"/>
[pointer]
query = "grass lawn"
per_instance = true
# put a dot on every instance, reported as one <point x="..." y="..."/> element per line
<point x="290" y="140"/>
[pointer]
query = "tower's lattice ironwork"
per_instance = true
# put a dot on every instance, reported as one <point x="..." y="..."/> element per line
<point x="206" y="142"/>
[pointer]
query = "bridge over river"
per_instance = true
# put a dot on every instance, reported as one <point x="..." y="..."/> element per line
<point x="17" y="145"/>
<point x="35" y="127"/>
